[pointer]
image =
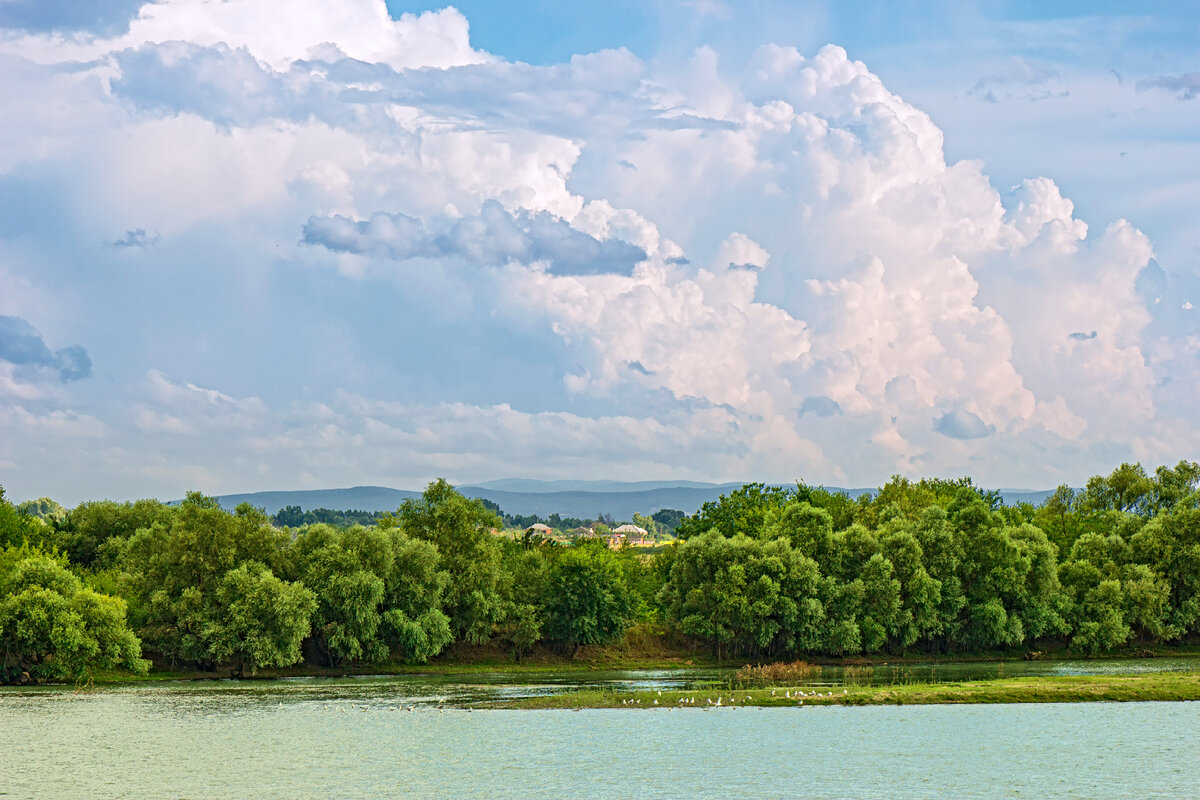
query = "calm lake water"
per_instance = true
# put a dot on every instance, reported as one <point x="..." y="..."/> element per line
<point x="412" y="737"/>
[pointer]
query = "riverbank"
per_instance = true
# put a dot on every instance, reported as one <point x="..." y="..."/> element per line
<point x="645" y="647"/>
<point x="1166" y="686"/>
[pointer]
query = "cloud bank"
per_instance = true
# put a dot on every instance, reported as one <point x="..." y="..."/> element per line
<point x="606" y="267"/>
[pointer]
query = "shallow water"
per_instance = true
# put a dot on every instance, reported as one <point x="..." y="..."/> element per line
<point x="358" y="738"/>
<point x="882" y="674"/>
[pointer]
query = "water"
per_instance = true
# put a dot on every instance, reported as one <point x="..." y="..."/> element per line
<point x="943" y="672"/>
<point x="357" y="738"/>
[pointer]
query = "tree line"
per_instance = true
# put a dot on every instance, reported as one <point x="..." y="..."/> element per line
<point x="938" y="566"/>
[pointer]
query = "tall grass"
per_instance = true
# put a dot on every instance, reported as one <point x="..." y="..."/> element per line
<point x="779" y="673"/>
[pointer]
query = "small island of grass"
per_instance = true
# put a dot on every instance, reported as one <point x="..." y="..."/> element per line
<point x="1162" y="686"/>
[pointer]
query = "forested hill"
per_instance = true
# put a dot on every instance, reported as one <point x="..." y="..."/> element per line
<point x="582" y="499"/>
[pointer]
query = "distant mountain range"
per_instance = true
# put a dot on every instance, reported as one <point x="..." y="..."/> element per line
<point x="569" y="498"/>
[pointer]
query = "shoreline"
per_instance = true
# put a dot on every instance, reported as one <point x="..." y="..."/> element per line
<point x="605" y="660"/>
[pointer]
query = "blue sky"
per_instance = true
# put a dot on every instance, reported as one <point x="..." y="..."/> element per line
<point x="246" y="250"/>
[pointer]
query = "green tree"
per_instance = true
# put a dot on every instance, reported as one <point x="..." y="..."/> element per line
<point x="1126" y="488"/>
<point x="461" y="530"/>
<point x="920" y="593"/>
<point x="51" y="626"/>
<point x="668" y="518"/>
<point x="809" y="530"/>
<point x="1173" y="485"/>
<point x="378" y="593"/>
<point x="526" y="570"/>
<point x="646" y="523"/>
<point x="175" y="568"/>
<point x="1170" y="546"/>
<point x="942" y="556"/>
<point x="587" y="600"/>
<point x="741" y="511"/>
<point x="838" y="505"/>
<point x="745" y="596"/>
<point x="345" y="571"/>
<point x="415" y="627"/>
<point x="94" y="534"/>
<point x="16" y="528"/>
<point x="43" y="508"/>
<point x="1058" y="517"/>
<point x="260" y="620"/>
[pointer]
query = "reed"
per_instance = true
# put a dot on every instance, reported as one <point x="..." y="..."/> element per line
<point x="781" y="673"/>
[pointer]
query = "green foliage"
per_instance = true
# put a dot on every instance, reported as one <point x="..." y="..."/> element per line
<point x="260" y="620"/>
<point x="742" y="511"/>
<point x="1127" y="488"/>
<point x="838" y="505"/>
<point x="378" y="593"/>
<point x="526" y="569"/>
<point x="587" y="599"/>
<point x="17" y="528"/>
<point x="745" y="596"/>
<point x="763" y="572"/>
<point x="94" y="534"/>
<point x="668" y="519"/>
<point x="461" y="530"/>
<point x="1170" y="546"/>
<point x="43" y="508"/>
<point x="176" y="567"/>
<point x="296" y="517"/>
<point x="51" y="626"/>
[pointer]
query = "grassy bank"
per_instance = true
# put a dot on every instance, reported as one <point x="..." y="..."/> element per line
<point x="644" y="647"/>
<point x="1045" y="689"/>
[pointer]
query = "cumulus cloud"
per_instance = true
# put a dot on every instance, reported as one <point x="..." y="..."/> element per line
<point x="731" y="269"/>
<point x="23" y="347"/>
<point x="360" y="29"/>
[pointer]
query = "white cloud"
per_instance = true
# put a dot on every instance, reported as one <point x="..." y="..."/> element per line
<point x="771" y="269"/>
<point x="358" y="29"/>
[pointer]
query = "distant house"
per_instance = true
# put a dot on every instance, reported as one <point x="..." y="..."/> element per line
<point x="539" y="529"/>
<point x="634" y="535"/>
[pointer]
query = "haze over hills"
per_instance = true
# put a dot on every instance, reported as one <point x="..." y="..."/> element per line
<point x="569" y="498"/>
<point x="533" y="486"/>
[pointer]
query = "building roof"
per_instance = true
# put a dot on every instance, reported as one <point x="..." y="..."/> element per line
<point x="627" y="528"/>
<point x="538" y="527"/>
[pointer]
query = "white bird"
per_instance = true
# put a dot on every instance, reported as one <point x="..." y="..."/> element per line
<point x="656" y="702"/>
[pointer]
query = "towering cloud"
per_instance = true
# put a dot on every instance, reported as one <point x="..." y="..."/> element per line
<point x="719" y="270"/>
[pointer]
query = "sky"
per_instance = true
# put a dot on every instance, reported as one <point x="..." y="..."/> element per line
<point x="249" y="245"/>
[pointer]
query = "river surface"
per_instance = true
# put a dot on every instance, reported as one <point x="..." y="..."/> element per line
<point x="418" y="736"/>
